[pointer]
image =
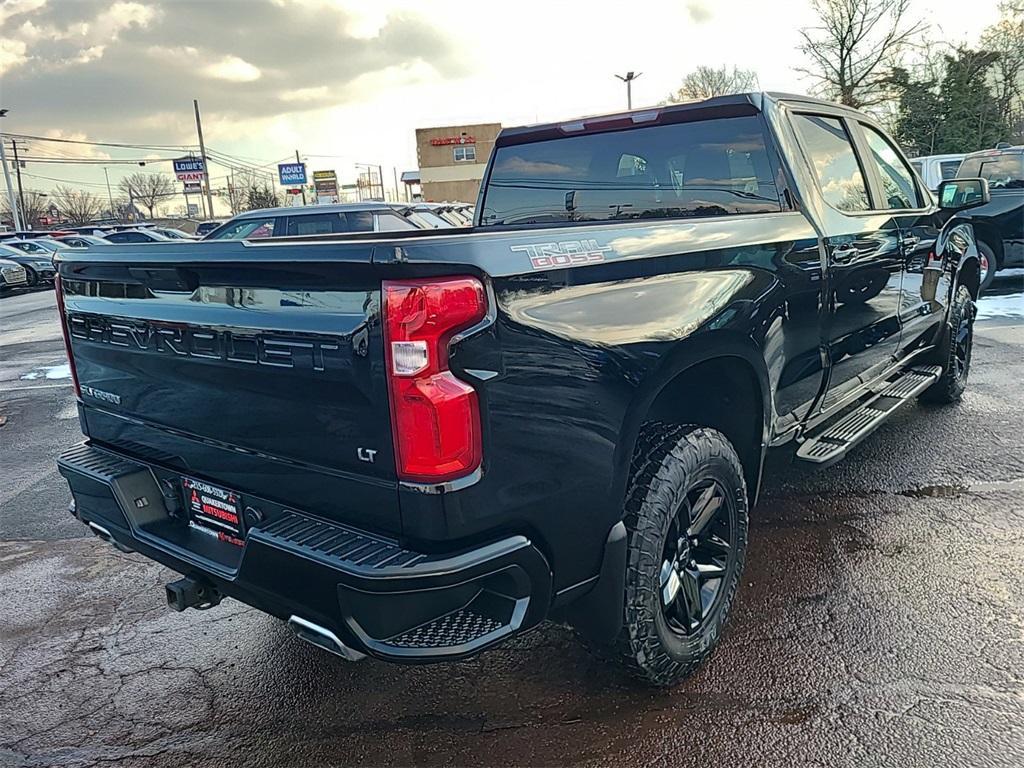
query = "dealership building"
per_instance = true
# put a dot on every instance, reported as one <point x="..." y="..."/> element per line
<point x="452" y="160"/>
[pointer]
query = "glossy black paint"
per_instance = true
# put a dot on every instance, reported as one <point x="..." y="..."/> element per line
<point x="570" y="363"/>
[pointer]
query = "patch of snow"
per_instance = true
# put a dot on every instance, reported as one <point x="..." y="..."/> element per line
<point x="59" y="371"/>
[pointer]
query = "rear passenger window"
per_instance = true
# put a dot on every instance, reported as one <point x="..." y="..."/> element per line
<point x="314" y="224"/>
<point x="704" y="168"/>
<point x="828" y="147"/>
<point x="897" y="180"/>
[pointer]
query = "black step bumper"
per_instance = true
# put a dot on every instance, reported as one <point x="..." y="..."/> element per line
<point x="378" y="597"/>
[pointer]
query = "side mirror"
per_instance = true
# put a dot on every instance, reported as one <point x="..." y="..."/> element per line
<point x="958" y="194"/>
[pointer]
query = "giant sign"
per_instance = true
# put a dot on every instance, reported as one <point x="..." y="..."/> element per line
<point x="189" y="169"/>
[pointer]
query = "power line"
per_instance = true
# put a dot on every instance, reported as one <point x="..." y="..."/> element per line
<point x="120" y="145"/>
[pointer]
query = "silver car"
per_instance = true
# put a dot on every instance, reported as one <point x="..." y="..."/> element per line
<point x="12" y="275"/>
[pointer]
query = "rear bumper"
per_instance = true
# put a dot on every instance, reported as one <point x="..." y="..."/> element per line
<point x="376" y="596"/>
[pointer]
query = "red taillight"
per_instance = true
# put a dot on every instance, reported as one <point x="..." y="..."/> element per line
<point x="59" y="291"/>
<point x="435" y="416"/>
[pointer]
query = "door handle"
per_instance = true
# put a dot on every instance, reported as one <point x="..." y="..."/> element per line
<point x="844" y="253"/>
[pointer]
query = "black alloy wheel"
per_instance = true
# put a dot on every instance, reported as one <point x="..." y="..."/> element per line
<point x="696" y="559"/>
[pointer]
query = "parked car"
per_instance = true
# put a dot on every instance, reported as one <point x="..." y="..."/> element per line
<point x="93" y="230"/>
<point x="419" y="445"/>
<point x="312" y="220"/>
<point x="935" y="169"/>
<point x="39" y="245"/>
<point x="148" y="235"/>
<point x="206" y="227"/>
<point x="421" y="215"/>
<point x="173" y="234"/>
<point x="12" y="275"/>
<point x="999" y="224"/>
<point x="83" y="241"/>
<point x="449" y="213"/>
<point x="38" y="264"/>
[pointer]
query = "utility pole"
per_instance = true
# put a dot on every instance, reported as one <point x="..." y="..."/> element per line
<point x="301" y="186"/>
<point x="394" y="171"/>
<point x="628" y="79"/>
<point x="21" y="192"/>
<point x="12" y="201"/>
<point x="202" y="152"/>
<point x="110" y="196"/>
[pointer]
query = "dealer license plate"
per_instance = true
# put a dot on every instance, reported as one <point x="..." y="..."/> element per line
<point x="214" y="511"/>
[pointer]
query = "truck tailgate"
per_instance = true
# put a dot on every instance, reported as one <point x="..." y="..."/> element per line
<point x="264" y="375"/>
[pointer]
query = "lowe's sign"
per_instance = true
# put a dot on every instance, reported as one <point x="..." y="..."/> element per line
<point x="189" y="169"/>
<point x="292" y="173"/>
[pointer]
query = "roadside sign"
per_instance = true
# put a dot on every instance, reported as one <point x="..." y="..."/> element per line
<point x="326" y="183"/>
<point x="193" y="188"/>
<point x="291" y="173"/>
<point x="193" y="209"/>
<point x="189" y="169"/>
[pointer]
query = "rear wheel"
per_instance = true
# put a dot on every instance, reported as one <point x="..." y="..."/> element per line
<point x="686" y="516"/>
<point x="954" y="351"/>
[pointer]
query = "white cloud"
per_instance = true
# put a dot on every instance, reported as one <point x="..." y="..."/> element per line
<point x="315" y="93"/>
<point x="698" y="11"/>
<point x="233" y="69"/>
<point x="12" y="54"/>
<point x="120" y="16"/>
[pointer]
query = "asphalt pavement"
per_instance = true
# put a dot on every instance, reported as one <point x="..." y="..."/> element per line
<point x="880" y="623"/>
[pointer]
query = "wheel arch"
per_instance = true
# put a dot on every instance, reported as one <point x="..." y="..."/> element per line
<point x="706" y="380"/>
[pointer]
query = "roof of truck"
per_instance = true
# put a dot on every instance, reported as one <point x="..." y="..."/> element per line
<point x="727" y="105"/>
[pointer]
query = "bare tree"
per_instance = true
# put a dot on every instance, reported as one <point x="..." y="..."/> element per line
<point x="1006" y="38"/>
<point x="706" y="82"/>
<point x="36" y="205"/>
<point x="855" y="45"/>
<point x="75" y="205"/>
<point x="147" y="189"/>
<point x="239" y="184"/>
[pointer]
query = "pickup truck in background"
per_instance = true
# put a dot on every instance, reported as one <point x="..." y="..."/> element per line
<point x="414" y="445"/>
<point x="999" y="223"/>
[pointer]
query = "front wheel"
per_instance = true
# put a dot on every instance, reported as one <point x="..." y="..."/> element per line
<point x="987" y="266"/>
<point x="954" y="351"/>
<point x="31" y="277"/>
<point x="686" y="516"/>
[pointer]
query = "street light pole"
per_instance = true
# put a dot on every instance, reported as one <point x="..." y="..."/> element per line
<point x="628" y="79"/>
<point x="15" y="219"/>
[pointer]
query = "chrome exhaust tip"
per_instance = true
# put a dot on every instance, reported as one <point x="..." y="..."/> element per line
<point x="323" y="638"/>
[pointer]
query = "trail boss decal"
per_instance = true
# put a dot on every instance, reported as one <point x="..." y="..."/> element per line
<point x="565" y="253"/>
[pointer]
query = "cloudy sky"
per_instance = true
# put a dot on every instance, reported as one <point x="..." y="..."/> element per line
<point x="348" y="81"/>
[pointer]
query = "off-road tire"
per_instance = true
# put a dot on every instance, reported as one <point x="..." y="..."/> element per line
<point x="669" y="461"/>
<point x="953" y="381"/>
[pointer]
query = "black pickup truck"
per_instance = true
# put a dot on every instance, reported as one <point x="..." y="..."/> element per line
<point x="415" y="446"/>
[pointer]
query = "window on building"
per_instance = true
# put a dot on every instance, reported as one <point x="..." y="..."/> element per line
<point x="466" y="154"/>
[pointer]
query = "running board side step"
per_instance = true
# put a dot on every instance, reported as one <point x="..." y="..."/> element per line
<point x="836" y="440"/>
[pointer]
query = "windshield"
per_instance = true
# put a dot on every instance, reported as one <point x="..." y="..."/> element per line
<point x="1002" y="171"/>
<point x="30" y="247"/>
<point x="427" y="220"/>
<point x="706" y="168"/>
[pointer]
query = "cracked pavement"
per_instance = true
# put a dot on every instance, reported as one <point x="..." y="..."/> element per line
<point x="880" y="622"/>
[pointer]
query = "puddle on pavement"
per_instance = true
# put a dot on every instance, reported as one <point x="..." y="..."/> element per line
<point x="951" y="491"/>
<point x="1004" y="298"/>
<point x="59" y="371"/>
